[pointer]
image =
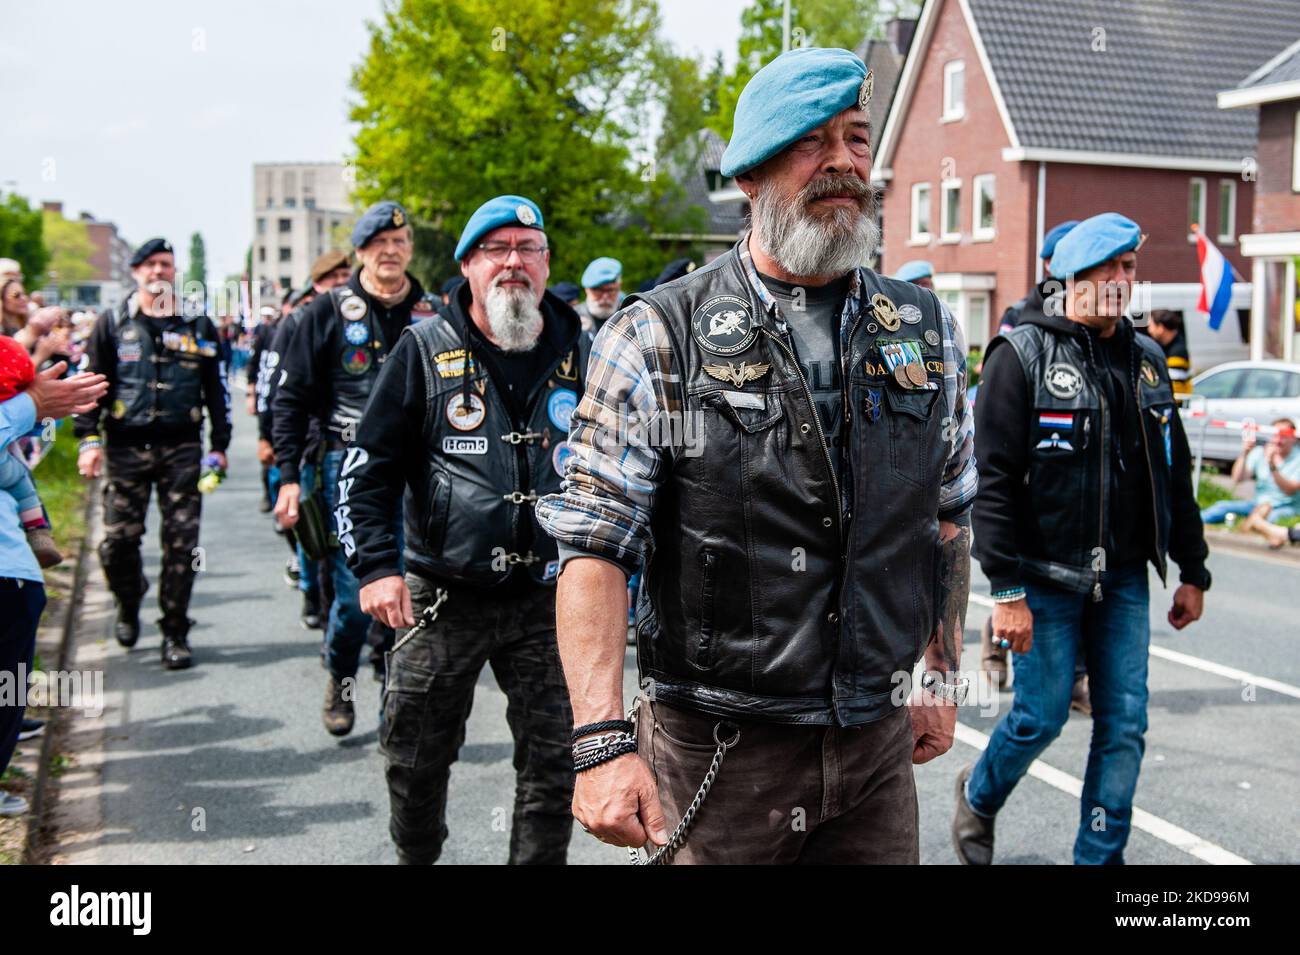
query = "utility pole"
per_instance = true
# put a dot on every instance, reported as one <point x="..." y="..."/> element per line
<point x="785" y="28"/>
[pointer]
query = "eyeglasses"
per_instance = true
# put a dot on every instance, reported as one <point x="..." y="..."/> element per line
<point x="499" y="252"/>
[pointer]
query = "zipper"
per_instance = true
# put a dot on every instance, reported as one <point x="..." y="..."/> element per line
<point x="1101" y="498"/>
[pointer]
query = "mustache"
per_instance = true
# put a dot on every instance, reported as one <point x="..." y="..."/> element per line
<point x="512" y="275"/>
<point x="836" y="185"/>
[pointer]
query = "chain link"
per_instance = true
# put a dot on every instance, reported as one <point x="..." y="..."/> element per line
<point x="428" y="616"/>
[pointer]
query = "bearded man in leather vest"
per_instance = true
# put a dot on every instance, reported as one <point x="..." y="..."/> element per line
<point x="165" y="370"/>
<point x="781" y="438"/>
<point x="469" y="419"/>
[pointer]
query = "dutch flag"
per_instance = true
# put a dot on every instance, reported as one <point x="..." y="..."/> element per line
<point x="1216" y="280"/>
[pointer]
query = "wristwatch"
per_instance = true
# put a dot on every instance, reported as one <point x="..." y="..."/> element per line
<point x="952" y="692"/>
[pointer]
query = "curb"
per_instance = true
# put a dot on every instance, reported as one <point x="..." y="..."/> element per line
<point x="36" y="816"/>
<point x="1250" y="546"/>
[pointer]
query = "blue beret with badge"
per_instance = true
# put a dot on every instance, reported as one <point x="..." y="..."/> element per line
<point x="152" y="247"/>
<point x="495" y="213"/>
<point x="916" y="269"/>
<point x="789" y="98"/>
<point x="1055" y="235"/>
<point x="602" y="271"/>
<point x="379" y="217"/>
<point x="1094" y="241"/>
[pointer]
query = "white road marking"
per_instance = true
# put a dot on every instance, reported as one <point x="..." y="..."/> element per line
<point x="1197" y="663"/>
<point x="1153" y="825"/>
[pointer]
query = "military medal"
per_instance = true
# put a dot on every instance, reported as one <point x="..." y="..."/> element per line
<point x="738" y="375"/>
<point x="864" y="91"/>
<point x="916" y="374"/>
<point x="931" y="337"/>
<point x="525" y="215"/>
<point x="886" y="311"/>
<point x="353" y="308"/>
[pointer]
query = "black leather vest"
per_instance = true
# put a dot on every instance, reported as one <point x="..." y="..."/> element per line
<point x="484" y="476"/>
<point x="159" y="371"/>
<point x="762" y="598"/>
<point x="1064" y="523"/>
<point x="361" y="348"/>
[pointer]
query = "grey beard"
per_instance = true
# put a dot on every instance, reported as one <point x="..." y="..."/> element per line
<point x="803" y="244"/>
<point x="599" y="311"/>
<point x="514" y="318"/>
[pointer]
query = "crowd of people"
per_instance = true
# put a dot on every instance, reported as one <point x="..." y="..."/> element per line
<point x="774" y="454"/>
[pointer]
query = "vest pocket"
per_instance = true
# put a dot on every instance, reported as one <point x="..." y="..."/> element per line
<point x="909" y="415"/>
<point x="702" y="651"/>
<point x="435" y="524"/>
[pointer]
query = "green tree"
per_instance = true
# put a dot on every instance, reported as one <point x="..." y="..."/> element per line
<point x="462" y="100"/>
<point x="22" y="237"/>
<point x="824" y="23"/>
<point x="70" y="251"/>
<point x="198" y="268"/>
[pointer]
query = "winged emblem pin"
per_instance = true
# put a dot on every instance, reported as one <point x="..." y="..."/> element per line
<point x="738" y="375"/>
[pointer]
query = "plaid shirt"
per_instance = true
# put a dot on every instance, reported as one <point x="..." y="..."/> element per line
<point x="604" y="505"/>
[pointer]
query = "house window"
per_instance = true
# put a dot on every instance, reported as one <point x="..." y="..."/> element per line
<point x="1295" y="159"/>
<point x="261" y="225"/>
<point x="921" y="212"/>
<point x="286" y="254"/>
<point x="1227" y="210"/>
<point x="285" y="284"/>
<point x="951" y="230"/>
<point x="982" y="215"/>
<point x="1195" y="207"/>
<point x="261" y="253"/>
<point x="290" y="202"/>
<point x="954" y="90"/>
<point x="286" y="225"/>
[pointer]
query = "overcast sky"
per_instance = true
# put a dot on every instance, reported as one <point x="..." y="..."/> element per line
<point x="151" y="113"/>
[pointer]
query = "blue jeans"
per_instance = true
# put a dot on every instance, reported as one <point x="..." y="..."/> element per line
<point x="1115" y="635"/>
<point x="1216" y="512"/>
<point x="345" y="633"/>
<point x="308" y="575"/>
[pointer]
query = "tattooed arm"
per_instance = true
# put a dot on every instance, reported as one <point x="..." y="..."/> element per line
<point x="943" y="653"/>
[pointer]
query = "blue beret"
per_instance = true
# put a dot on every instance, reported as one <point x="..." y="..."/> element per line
<point x="493" y="214"/>
<point x="152" y="247"/>
<point x="1093" y="241"/>
<point x="380" y="216"/>
<point x="916" y="269"/>
<point x="1054" y="236"/>
<point x="601" y="271"/>
<point x="791" y="96"/>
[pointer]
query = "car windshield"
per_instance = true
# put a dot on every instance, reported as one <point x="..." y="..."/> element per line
<point x="1220" y="384"/>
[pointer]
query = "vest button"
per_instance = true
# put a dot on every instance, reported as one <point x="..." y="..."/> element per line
<point x="805" y="428"/>
<point x="827" y="522"/>
<point x="832" y="618"/>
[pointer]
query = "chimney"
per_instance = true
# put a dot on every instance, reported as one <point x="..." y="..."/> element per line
<point x="900" y="33"/>
<point x="55" y="207"/>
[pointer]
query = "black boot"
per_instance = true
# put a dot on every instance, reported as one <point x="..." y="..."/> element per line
<point x="311" y="611"/>
<point x="175" y="646"/>
<point x="972" y="834"/>
<point x="338" y="715"/>
<point x="127" y="628"/>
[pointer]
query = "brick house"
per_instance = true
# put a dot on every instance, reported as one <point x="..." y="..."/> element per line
<point x="1014" y="115"/>
<point x="1273" y="244"/>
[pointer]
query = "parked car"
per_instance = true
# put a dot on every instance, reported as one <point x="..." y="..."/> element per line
<point x="1261" y="391"/>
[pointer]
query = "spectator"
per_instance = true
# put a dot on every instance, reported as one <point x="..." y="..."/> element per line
<point x="1275" y="469"/>
<point x="1166" y="327"/>
<point x="22" y="588"/>
<point x="17" y="374"/>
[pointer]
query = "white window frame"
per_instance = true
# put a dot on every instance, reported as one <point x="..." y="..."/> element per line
<point x="953" y="113"/>
<point x="922" y="238"/>
<point x="981" y="183"/>
<point x="949" y="231"/>
<point x="1228" y="228"/>
<point x="1295" y="157"/>
<point x="1200" y="212"/>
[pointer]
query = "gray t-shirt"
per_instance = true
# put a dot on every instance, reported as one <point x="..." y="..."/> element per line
<point x="812" y="314"/>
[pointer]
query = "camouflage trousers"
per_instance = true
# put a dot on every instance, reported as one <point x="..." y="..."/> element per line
<point x="132" y="473"/>
<point x="427" y="700"/>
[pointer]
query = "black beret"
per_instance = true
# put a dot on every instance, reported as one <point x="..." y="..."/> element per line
<point x="566" y="291"/>
<point x="379" y="217"/>
<point x="152" y="247"/>
<point x="675" y="270"/>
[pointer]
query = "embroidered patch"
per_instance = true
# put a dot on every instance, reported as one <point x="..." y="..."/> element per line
<point x="356" y="361"/>
<point x="1150" y="377"/>
<point x="560" y="406"/>
<point x="454" y="445"/>
<point x="724" y="325"/>
<point x="560" y="457"/>
<point x="451" y="364"/>
<point x="465" y="417"/>
<point x="353" y="308"/>
<point x="1063" y="380"/>
<point x="128" y="352"/>
<point x="356" y="333"/>
<point x="1056" y="420"/>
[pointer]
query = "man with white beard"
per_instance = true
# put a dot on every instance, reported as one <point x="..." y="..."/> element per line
<point x="602" y="280"/>
<point x="469" y="418"/>
<point x="804" y="551"/>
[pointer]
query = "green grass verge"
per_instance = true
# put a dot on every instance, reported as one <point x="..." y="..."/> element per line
<point x="62" y="489"/>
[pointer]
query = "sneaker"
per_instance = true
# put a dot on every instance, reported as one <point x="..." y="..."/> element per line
<point x="292" y="572"/>
<point x="310" y="612"/>
<point x="338" y="715"/>
<point x="41" y="542"/>
<point x="30" y="729"/>
<point x="11" y="805"/>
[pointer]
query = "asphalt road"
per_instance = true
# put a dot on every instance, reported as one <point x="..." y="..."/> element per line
<point x="228" y="762"/>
